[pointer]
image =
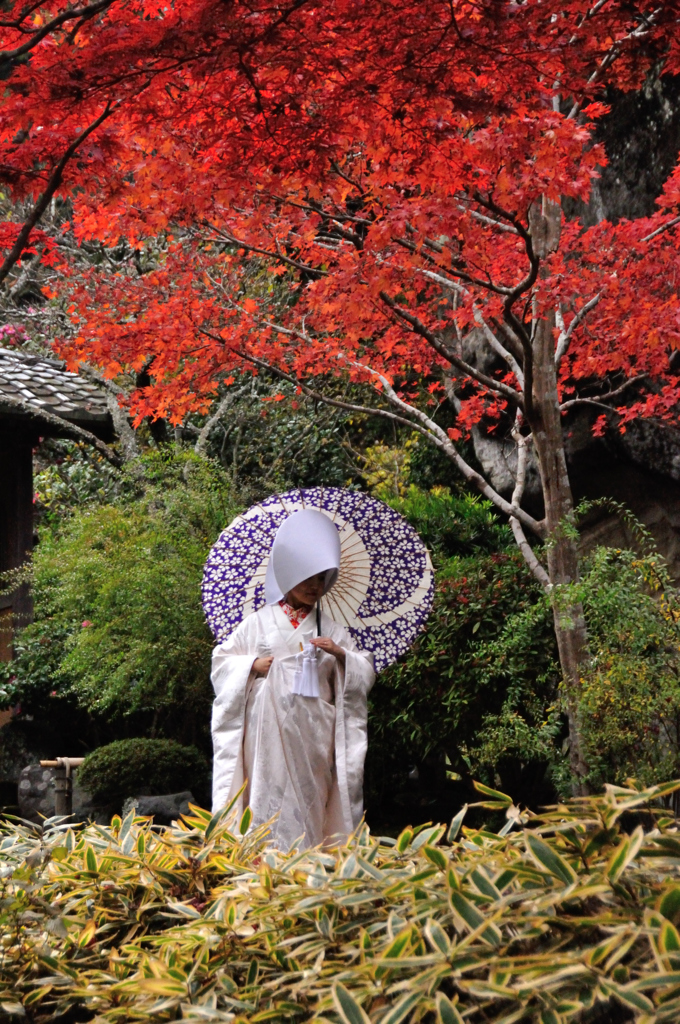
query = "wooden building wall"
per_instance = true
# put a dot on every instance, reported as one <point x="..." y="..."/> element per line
<point x="16" y="526"/>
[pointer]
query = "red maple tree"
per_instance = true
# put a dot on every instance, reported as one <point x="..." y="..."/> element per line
<point x="366" y="189"/>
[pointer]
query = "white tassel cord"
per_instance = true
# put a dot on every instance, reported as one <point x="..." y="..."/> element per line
<point x="306" y="680"/>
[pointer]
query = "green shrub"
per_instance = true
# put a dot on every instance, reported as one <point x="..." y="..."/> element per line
<point x="119" y="629"/>
<point x="631" y="695"/>
<point x="454" y="522"/>
<point x="561" y="918"/>
<point x="141" y="766"/>
<point x="630" y="692"/>
<point x="431" y="706"/>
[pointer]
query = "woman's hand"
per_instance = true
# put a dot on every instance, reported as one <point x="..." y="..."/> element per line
<point x="330" y="646"/>
<point x="262" y="665"/>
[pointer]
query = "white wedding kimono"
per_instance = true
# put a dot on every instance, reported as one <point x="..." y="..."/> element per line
<point x="302" y="757"/>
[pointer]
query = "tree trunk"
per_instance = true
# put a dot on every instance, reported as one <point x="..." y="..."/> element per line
<point x="562" y="539"/>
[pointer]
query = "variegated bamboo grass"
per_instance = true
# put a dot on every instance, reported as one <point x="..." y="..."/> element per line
<point x="202" y="921"/>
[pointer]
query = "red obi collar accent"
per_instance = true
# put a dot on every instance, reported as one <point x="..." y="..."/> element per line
<point x="294" y="615"/>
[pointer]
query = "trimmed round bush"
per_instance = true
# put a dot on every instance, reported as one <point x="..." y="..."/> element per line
<point x="139" y="767"/>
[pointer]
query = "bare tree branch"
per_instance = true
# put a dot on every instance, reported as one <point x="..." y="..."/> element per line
<point x="523" y="444"/>
<point x="204" y="435"/>
<point x="659" y="231"/>
<point x="500" y="349"/>
<point x="121" y="421"/>
<point x="418" y="327"/>
<point x="442" y="440"/>
<point x="566" y="333"/>
<point x="613" y="54"/>
<point x="267" y="253"/>
<point x="601" y="399"/>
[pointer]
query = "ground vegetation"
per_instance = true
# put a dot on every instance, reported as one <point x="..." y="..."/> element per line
<point x="558" y="918"/>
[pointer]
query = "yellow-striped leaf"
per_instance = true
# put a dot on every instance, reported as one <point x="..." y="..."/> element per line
<point x="446" y="1011"/>
<point x="400" y="1010"/>
<point x="349" y="1010"/>
<point x="550" y="859"/>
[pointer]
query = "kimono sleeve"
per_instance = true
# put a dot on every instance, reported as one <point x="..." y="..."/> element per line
<point x="356" y="680"/>
<point x="232" y="664"/>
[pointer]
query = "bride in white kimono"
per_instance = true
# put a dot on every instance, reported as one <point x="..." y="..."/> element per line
<point x="301" y="757"/>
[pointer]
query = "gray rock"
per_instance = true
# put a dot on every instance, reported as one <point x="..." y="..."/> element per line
<point x="36" y="796"/>
<point x="165" y="808"/>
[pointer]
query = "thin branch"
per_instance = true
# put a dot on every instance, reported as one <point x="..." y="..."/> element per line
<point x="565" y="334"/>
<point x="498" y="348"/>
<point x="442" y="440"/>
<point x="51" y="26"/>
<point x="204" y="435"/>
<point x="27" y="275"/>
<point x="613" y="54"/>
<point x="659" y="231"/>
<point x="267" y="253"/>
<point x="53" y="184"/>
<point x="489" y="220"/>
<point x="418" y="327"/>
<point x="413" y="418"/>
<point x="601" y="399"/>
<point x="523" y="443"/>
<point x="121" y="422"/>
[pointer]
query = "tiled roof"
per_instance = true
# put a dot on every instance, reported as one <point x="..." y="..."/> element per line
<point x="44" y="385"/>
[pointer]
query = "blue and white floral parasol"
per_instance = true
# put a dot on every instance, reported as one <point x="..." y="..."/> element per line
<point x="385" y="585"/>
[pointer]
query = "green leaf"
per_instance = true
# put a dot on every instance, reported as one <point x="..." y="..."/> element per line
<point x="253" y="972"/>
<point x="446" y="1011"/>
<point x="437" y="937"/>
<point x="398" y="945"/>
<point x="474" y="918"/>
<point x="454" y="827"/>
<point x="657" y="980"/>
<point x="624" y="853"/>
<point x="215" y="821"/>
<point x="669" y="939"/>
<point x="437" y="857"/>
<point x="669" y="904"/>
<point x="628" y="996"/>
<point x="90" y="859"/>
<point x="499" y="799"/>
<point x="349" y="1010"/>
<point x="404" y="839"/>
<point x="550" y="859"/>
<point x="483" y="885"/>
<point x="245" y="821"/>
<point x="401" y="1009"/>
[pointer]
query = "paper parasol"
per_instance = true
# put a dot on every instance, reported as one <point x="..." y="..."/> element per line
<point x="385" y="587"/>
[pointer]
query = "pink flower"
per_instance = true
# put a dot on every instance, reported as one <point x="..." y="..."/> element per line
<point x="85" y="624"/>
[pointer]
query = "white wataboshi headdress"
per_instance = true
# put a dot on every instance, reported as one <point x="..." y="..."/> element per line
<point x="306" y="543"/>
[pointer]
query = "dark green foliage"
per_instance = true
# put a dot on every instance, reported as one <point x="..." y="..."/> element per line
<point x="453" y="523"/>
<point x="140" y="766"/>
<point x="431" y="706"/>
<point x="631" y="696"/>
<point x="119" y="630"/>
<point x="630" y="692"/>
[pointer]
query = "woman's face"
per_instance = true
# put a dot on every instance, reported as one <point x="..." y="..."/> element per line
<point x="308" y="592"/>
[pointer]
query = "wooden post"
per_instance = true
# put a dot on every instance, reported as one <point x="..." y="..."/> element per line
<point x="63" y="782"/>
